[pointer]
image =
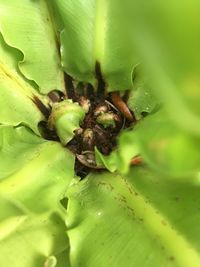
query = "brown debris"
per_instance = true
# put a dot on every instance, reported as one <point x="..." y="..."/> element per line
<point x="121" y="105"/>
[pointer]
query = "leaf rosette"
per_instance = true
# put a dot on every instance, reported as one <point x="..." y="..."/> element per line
<point x="49" y="216"/>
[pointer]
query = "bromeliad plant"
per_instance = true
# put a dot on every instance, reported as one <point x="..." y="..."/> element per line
<point x="99" y="133"/>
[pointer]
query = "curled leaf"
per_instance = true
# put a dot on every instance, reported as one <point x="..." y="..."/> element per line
<point x="33" y="34"/>
<point x="65" y="118"/>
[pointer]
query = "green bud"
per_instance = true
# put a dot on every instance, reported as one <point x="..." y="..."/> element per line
<point x="106" y="119"/>
<point x="65" y="118"/>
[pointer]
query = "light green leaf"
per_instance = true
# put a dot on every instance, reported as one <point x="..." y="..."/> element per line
<point x="137" y="220"/>
<point x="18" y="98"/>
<point x="43" y="170"/>
<point x="95" y="31"/>
<point x="167" y="38"/>
<point x="165" y="147"/>
<point x="34" y="176"/>
<point x="31" y="239"/>
<point x="17" y="146"/>
<point x="27" y="26"/>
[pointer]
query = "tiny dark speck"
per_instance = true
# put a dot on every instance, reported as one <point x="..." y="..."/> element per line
<point x="176" y="198"/>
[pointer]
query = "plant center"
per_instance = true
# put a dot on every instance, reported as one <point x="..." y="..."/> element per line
<point x="91" y="119"/>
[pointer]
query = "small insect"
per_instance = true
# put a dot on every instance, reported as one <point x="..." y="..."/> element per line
<point x="136" y="160"/>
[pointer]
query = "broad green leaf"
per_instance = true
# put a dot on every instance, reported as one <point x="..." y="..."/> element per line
<point x="166" y="147"/>
<point x="30" y="240"/>
<point x="27" y="26"/>
<point x="137" y="220"/>
<point x="34" y="176"/>
<point x="43" y="170"/>
<point x="166" y="35"/>
<point x="95" y="31"/>
<point x="18" y="99"/>
<point x="17" y="146"/>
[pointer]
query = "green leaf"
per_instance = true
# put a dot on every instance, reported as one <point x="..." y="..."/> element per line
<point x="141" y="100"/>
<point x="18" y="99"/>
<point x="95" y="31"/>
<point x="17" y="146"/>
<point x="44" y="169"/>
<point x="167" y="39"/>
<point x="27" y="26"/>
<point x="137" y="220"/>
<point x="119" y="159"/>
<point x="34" y="176"/>
<point x="165" y="147"/>
<point x="29" y="240"/>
